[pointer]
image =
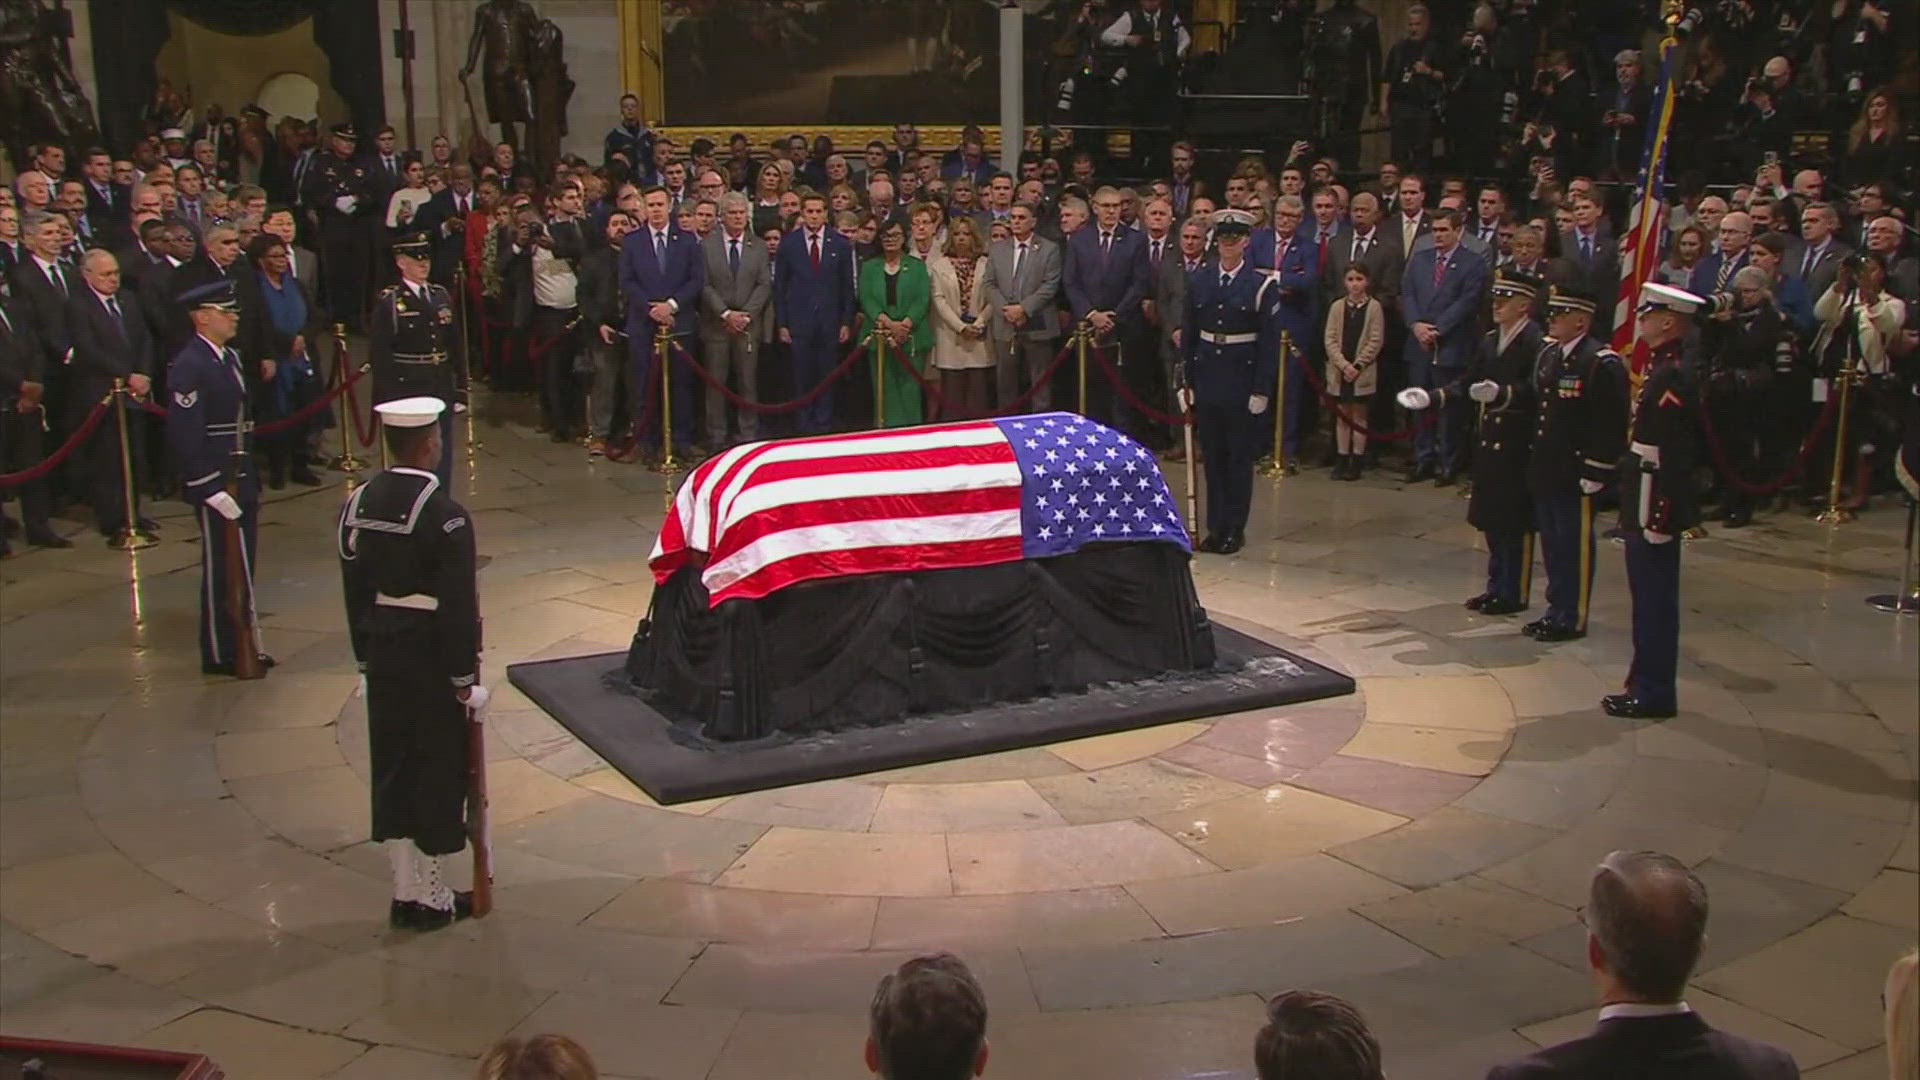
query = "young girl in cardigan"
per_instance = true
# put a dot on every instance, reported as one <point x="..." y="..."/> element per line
<point x="1356" y="328"/>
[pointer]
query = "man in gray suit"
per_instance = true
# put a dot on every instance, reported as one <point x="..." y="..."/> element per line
<point x="733" y="305"/>
<point x="1814" y="256"/>
<point x="1023" y="277"/>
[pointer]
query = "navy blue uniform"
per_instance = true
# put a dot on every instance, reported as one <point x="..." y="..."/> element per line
<point x="1580" y="432"/>
<point x="1231" y="343"/>
<point x="210" y="434"/>
<point x="1656" y="495"/>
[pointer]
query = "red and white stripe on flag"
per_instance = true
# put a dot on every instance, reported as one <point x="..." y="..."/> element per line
<point x="1647" y="226"/>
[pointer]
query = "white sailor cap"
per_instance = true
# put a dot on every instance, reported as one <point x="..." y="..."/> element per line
<point x="413" y="412"/>
<point x="1655" y="296"/>
<point x="1232" y="223"/>
<point x="173" y="133"/>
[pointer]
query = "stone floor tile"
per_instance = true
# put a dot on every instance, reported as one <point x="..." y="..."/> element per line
<point x="276" y="750"/>
<point x="684" y="909"/>
<point x="1552" y="794"/>
<point x="609" y="782"/>
<point x="317" y="809"/>
<point x="59" y="890"/>
<point x="1450" y="842"/>
<point x="172" y="832"/>
<point x="162" y="939"/>
<point x="796" y="1046"/>
<point x="1470" y="915"/>
<point x="1468" y="753"/>
<point x="1550" y="686"/>
<point x="149" y="780"/>
<point x="1132" y="1043"/>
<point x="635" y="1035"/>
<point x="1383" y="785"/>
<point x="1006" y="765"/>
<point x="1136" y="789"/>
<point x="47" y="827"/>
<point x="636" y="841"/>
<point x="1657" y="790"/>
<point x="1299" y="736"/>
<point x="519" y="789"/>
<point x="1561" y="869"/>
<point x="1838" y="851"/>
<point x="742" y="977"/>
<point x="244" y="1046"/>
<point x="1808" y="1050"/>
<point x="1465" y="702"/>
<point x="1103" y="751"/>
<point x="103" y="1007"/>
<point x="843" y="864"/>
<point x="388" y="1062"/>
<point x="548" y="954"/>
<point x="1440" y="1003"/>
<point x="1825" y="979"/>
<point x="1893" y="898"/>
<point x="843" y="805"/>
<point x="1863" y="783"/>
<point x="1850" y="730"/>
<point x="414" y="1008"/>
<point x="1238" y="768"/>
<point x="1302" y="952"/>
<point x="31" y="966"/>
<point x="1261" y="896"/>
<point x="1073" y="917"/>
<point x="1067" y="857"/>
<point x="1266" y="825"/>
<point x="1907" y="856"/>
<point x="1871" y="1065"/>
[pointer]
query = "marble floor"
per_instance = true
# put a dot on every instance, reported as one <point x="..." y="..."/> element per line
<point x="183" y="861"/>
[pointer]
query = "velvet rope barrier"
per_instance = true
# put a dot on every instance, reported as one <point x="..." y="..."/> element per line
<point x="1319" y="387"/>
<point x="31" y="473"/>
<point x="300" y="415"/>
<point x="629" y="452"/>
<point x="1793" y="472"/>
<point x="719" y="386"/>
<point x="1152" y="414"/>
<point x="1011" y="408"/>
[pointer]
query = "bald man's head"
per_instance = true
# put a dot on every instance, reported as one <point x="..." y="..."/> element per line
<point x="1646" y="923"/>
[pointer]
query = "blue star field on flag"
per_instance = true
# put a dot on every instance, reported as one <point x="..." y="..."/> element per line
<point x="1083" y="483"/>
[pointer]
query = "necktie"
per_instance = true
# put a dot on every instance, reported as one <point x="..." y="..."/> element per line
<point x="1586" y="248"/>
<point x="59" y="279"/>
<point x="1320" y="259"/>
<point x="113" y="308"/>
<point x="1156" y="255"/>
<point x="1019" y="257"/>
<point x="1726" y="271"/>
<point x="1806" y="264"/>
<point x="1439" y="269"/>
<point x="1106" y="244"/>
<point x="813" y="249"/>
<point x="1226" y="279"/>
<point x="660" y="248"/>
<point x="733" y="256"/>
<point x="1192" y="265"/>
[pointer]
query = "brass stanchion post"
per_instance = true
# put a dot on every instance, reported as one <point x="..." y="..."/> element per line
<point x="879" y="343"/>
<point x="131" y="536"/>
<point x="1907" y="600"/>
<point x="1836" y="514"/>
<point x="1274" y="465"/>
<point x="346" y="462"/>
<point x="1081" y="335"/>
<point x="662" y="347"/>
<point x="460" y="301"/>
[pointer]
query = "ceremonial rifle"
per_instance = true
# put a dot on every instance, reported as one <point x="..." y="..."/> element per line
<point x="246" y="636"/>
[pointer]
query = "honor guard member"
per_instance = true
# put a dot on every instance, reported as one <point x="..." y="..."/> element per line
<point x="1501" y="383"/>
<point x="1581" y="428"/>
<point x="1231" y="341"/>
<point x="1657" y="503"/>
<point x="414" y="343"/>
<point x="210" y="434"/>
<point x="413" y="617"/>
<point x="339" y="189"/>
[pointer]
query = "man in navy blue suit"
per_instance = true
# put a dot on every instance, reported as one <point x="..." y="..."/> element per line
<point x="1440" y="299"/>
<point x="1287" y="255"/>
<point x="813" y="290"/>
<point x="1712" y="273"/>
<point x="661" y="273"/>
<point x="1105" y="278"/>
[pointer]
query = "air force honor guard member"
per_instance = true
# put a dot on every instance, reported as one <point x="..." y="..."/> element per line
<point x="1231" y="346"/>
<point x="413" y="616"/>
<point x="1657" y="503"/>
<point x="415" y="346"/>
<point x="1577" y="439"/>
<point x="1501" y="382"/>
<point x="210" y="434"/>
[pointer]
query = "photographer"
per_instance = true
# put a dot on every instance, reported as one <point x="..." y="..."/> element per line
<point x="1563" y="113"/>
<point x="1743" y="336"/>
<point x="1861" y="50"/>
<point x="1624" y="123"/>
<point x="1478" y="91"/>
<point x="603" y="316"/>
<point x="1762" y="128"/>
<point x="555" y="246"/>
<point x="1413" y="80"/>
<point x="1859" y="321"/>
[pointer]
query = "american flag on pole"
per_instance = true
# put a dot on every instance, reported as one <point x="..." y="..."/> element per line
<point x="772" y="514"/>
<point x="1646" y="236"/>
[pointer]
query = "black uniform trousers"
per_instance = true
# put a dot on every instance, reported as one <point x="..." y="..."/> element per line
<point x="218" y="633"/>
<point x="554" y="328"/>
<point x="416" y="735"/>
<point x="1653" y="576"/>
<point x="1229" y="438"/>
<point x="345" y="258"/>
<point x="21" y="443"/>
<point x="102" y="456"/>
<point x="1565" y="521"/>
<point x="1737" y="419"/>
<point x="1510" y="566"/>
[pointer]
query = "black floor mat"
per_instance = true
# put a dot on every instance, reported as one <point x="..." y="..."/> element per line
<point x="585" y="693"/>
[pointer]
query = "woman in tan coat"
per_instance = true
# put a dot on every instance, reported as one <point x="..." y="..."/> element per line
<point x="1356" y="328"/>
<point x="960" y="351"/>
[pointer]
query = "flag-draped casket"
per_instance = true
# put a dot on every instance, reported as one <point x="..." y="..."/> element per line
<point x="820" y="583"/>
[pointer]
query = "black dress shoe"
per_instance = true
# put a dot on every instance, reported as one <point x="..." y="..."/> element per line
<point x="1534" y="627"/>
<point x="1555" y="632"/>
<point x="1500" y="605"/>
<point x="1475" y="603"/>
<point x="1445" y="479"/>
<point x="1633" y="708"/>
<point x="400" y="914"/>
<point x="47" y="538"/>
<point x="424" y="918"/>
<point x="1232" y="542"/>
<point x="1422" y="471"/>
<point x="1210" y="543"/>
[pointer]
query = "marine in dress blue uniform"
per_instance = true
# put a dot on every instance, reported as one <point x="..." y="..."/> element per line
<point x="414" y="343"/>
<point x="210" y="434"/>
<point x="1578" y="435"/>
<point x="1230" y="343"/>
<point x="1657" y="503"/>
<point x="1500" y="382"/>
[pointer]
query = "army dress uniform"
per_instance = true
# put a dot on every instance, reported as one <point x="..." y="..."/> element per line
<point x="210" y="436"/>
<point x="407" y="564"/>
<point x="1501" y="505"/>
<point x="415" y="347"/>
<point x="1578" y="435"/>
<point x="341" y="192"/>
<point x="1657" y="504"/>
<point x="1231" y="346"/>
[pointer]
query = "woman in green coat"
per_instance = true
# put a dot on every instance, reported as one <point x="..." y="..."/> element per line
<point x="897" y="296"/>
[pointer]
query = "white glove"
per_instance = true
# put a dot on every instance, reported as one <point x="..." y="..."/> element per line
<point x="477" y="698"/>
<point x="1652" y="537"/>
<point x="361" y="690"/>
<point x="1591" y="487"/>
<point x="1257" y="404"/>
<point x="345" y="204"/>
<point x="1413" y="398"/>
<point x="459" y="407"/>
<point x="222" y="503"/>
<point x="1484" y="391"/>
<point x="1184" y="396"/>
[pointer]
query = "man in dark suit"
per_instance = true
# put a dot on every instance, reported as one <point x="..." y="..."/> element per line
<point x="1440" y="302"/>
<point x="813" y="302"/>
<point x="733" y="312"/>
<point x="661" y="274"/>
<point x="1290" y="255"/>
<point x="1646" y="917"/>
<point x="111" y="342"/>
<point x="1595" y="259"/>
<point x="108" y="203"/>
<point x="22" y="389"/>
<point x="1711" y="273"/>
<point x="1105" y="278"/>
<point x="1527" y="256"/>
<point x="44" y="283"/>
<point x="1814" y="256"/>
<point x="12" y="248"/>
<point x="444" y="218"/>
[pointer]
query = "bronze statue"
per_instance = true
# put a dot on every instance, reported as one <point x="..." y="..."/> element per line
<point x="552" y="89"/>
<point x="38" y="92"/>
<point x="502" y="46"/>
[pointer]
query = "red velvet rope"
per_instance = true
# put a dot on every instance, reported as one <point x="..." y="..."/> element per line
<point x="1012" y="408"/>
<point x="794" y="405"/>
<point x="31" y="473"/>
<point x="1793" y="472"/>
<point x="1146" y="410"/>
<point x="1320" y="389"/>
<point x="303" y="413"/>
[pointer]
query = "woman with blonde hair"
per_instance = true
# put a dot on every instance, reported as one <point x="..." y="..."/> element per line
<point x="1876" y="143"/>
<point x="769" y="184"/>
<point x="960" y="350"/>
<point x="541" y="1057"/>
<point x="842" y="198"/>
